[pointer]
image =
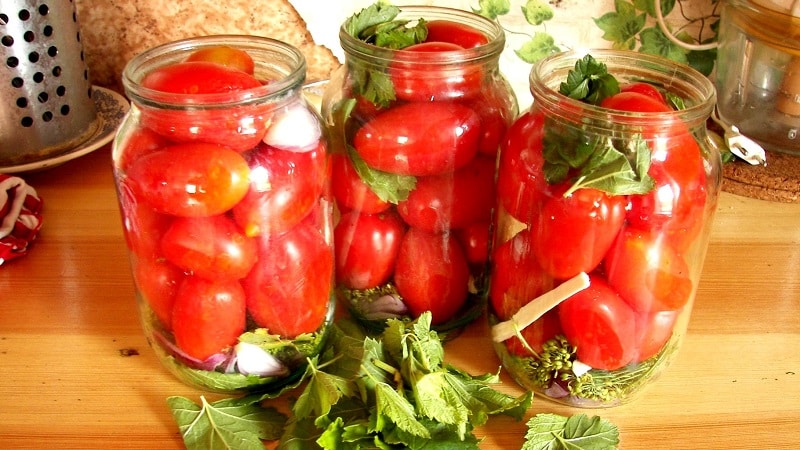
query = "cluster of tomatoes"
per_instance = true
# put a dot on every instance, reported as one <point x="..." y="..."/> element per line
<point x="636" y="248"/>
<point x="442" y="129"/>
<point x="222" y="206"/>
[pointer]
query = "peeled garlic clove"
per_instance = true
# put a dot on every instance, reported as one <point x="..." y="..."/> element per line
<point x="294" y="128"/>
<point x="253" y="360"/>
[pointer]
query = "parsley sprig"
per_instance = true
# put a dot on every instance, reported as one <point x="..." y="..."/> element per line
<point x="612" y="164"/>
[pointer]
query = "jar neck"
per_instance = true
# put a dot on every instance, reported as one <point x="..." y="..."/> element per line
<point x="280" y="67"/>
<point x="692" y="87"/>
<point x="487" y="54"/>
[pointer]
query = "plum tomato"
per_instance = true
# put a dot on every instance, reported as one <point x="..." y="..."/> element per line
<point x="575" y="232"/>
<point x="192" y="85"/>
<point x="497" y="111"/>
<point x="143" y="226"/>
<point x="366" y="248"/>
<point x="635" y="102"/>
<point x="210" y="247"/>
<point x="645" y="89"/>
<point x="140" y="141"/>
<point x="452" y="200"/>
<point x="284" y="187"/>
<point x="431" y="274"/>
<point x="424" y="72"/>
<point x="474" y="239"/>
<point x="653" y="331"/>
<point x="516" y="277"/>
<point x="647" y="271"/>
<point x="158" y="281"/>
<point x="460" y="34"/>
<point x="208" y="316"/>
<point x="225" y="55"/>
<point x="678" y="200"/>
<point x="198" y="77"/>
<point x="600" y="325"/>
<point x="289" y="290"/>
<point x="350" y="191"/>
<point x="520" y="180"/>
<point x="536" y="334"/>
<point x="190" y="180"/>
<point x="420" y="138"/>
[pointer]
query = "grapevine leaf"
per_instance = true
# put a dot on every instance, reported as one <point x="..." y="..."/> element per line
<point x="492" y="8"/>
<point x="577" y="432"/>
<point x="621" y="26"/>
<point x="537" y="12"/>
<point x="538" y="47"/>
<point x="654" y="42"/>
<point x="224" y="424"/>
<point x="702" y="60"/>
<point x="649" y="6"/>
<point x="389" y="187"/>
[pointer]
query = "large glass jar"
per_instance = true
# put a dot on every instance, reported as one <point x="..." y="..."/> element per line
<point x="222" y="183"/>
<point x="758" y="72"/>
<point x="602" y="222"/>
<point x="415" y="134"/>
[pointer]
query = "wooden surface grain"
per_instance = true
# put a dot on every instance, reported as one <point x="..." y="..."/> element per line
<point x="77" y="373"/>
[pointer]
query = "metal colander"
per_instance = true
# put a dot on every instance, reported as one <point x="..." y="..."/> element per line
<point x="45" y="93"/>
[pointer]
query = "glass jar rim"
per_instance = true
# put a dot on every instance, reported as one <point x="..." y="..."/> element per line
<point x="695" y="88"/>
<point x="353" y="46"/>
<point x="287" y="62"/>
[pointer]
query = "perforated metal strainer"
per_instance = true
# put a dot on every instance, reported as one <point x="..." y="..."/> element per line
<point x="45" y="93"/>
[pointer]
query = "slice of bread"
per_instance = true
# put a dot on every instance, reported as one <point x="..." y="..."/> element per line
<point x="113" y="32"/>
<point x="778" y="181"/>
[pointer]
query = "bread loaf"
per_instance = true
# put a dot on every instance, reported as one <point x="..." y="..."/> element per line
<point x="114" y="31"/>
<point x="778" y="181"/>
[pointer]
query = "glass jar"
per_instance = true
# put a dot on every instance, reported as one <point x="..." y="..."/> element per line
<point x="758" y="72"/>
<point x="601" y="230"/>
<point x="226" y="211"/>
<point x="415" y="134"/>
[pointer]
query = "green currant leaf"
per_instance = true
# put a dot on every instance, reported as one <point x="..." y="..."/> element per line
<point x="540" y="46"/>
<point x="393" y="409"/>
<point x="370" y="17"/>
<point x="492" y="8"/>
<point x="225" y="424"/>
<point x="537" y="12"/>
<point x="578" y="432"/>
<point x="321" y="392"/>
<point x="389" y="187"/>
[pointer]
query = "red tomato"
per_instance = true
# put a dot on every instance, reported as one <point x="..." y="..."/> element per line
<point x="285" y="187"/>
<point x="225" y="55"/>
<point x="575" y="232"/>
<point x="158" y="282"/>
<point x="288" y="291"/>
<point x="453" y="200"/>
<point x="648" y="272"/>
<point x="425" y="72"/>
<point x="497" y="111"/>
<point x="474" y="239"/>
<point x="635" y="102"/>
<point x="431" y="274"/>
<point x="420" y="138"/>
<point x="208" y="316"/>
<point x="645" y="89"/>
<point x="199" y="84"/>
<point x="600" y="325"/>
<point x="349" y="189"/>
<point x="143" y="226"/>
<point x="536" y="334"/>
<point x="190" y="180"/>
<point x="653" y="330"/>
<point x="516" y="276"/>
<point x="140" y="142"/>
<point x="366" y="248"/>
<point x="198" y="77"/>
<point x="456" y="33"/>
<point x="520" y="180"/>
<point x="677" y="203"/>
<point x="210" y="247"/>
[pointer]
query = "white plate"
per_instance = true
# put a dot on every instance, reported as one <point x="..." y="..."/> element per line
<point x="111" y="109"/>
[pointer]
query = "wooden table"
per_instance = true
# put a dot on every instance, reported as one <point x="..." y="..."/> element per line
<point x="77" y="373"/>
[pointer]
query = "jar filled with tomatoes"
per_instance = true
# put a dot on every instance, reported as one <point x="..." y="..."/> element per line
<point x="221" y="172"/>
<point x="417" y="113"/>
<point x="606" y="191"/>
